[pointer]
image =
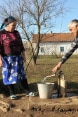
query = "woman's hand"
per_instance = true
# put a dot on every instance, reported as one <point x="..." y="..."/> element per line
<point x="57" y="67"/>
<point x="1" y="62"/>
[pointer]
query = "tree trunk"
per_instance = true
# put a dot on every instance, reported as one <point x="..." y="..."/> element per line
<point x="35" y="59"/>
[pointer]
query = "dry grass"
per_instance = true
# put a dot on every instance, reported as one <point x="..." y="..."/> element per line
<point x="46" y="63"/>
<point x="35" y="73"/>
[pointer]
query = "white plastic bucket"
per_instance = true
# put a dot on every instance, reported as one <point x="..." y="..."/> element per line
<point x="45" y="90"/>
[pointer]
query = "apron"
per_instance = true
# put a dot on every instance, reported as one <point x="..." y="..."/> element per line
<point x="13" y="69"/>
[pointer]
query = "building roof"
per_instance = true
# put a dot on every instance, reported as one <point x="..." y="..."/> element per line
<point x="54" y="37"/>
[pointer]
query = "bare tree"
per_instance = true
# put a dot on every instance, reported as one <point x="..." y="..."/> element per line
<point x="33" y="15"/>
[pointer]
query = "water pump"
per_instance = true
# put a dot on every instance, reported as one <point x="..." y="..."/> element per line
<point x="61" y="84"/>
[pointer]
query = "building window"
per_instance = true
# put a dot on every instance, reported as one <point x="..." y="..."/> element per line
<point x="61" y="49"/>
<point x="42" y="49"/>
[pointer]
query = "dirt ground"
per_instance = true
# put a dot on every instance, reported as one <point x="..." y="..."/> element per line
<point x="23" y="107"/>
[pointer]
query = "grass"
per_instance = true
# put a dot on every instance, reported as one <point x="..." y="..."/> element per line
<point x="35" y="73"/>
<point x="44" y="67"/>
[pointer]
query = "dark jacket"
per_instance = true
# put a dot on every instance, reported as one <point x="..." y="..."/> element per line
<point x="74" y="46"/>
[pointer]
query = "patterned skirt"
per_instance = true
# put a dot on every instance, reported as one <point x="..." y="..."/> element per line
<point x="13" y="69"/>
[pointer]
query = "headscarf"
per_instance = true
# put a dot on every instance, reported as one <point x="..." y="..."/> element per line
<point x="7" y="21"/>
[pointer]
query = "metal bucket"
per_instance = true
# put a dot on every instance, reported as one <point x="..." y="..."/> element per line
<point x="45" y="90"/>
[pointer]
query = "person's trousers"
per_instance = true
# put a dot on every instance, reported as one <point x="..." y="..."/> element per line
<point x="24" y="84"/>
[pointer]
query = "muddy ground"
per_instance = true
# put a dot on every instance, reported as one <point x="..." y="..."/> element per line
<point x="36" y="107"/>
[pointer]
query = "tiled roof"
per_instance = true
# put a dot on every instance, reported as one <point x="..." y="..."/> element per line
<point x="54" y="37"/>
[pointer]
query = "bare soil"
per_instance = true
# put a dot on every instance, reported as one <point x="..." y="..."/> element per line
<point x="36" y="107"/>
<point x="24" y="107"/>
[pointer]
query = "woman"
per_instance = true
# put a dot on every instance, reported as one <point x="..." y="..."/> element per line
<point x="12" y="56"/>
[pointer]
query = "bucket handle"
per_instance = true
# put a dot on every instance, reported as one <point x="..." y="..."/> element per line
<point x="45" y="78"/>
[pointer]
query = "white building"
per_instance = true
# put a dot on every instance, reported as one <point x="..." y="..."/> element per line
<point x="54" y="43"/>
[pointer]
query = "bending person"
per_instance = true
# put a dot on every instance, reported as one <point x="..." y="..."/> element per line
<point x="73" y="27"/>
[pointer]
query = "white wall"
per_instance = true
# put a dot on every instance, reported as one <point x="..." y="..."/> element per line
<point x="54" y="48"/>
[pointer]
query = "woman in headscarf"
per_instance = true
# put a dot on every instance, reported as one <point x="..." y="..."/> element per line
<point x="12" y="57"/>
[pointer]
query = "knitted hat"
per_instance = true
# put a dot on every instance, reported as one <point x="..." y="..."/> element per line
<point x="7" y="21"/>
